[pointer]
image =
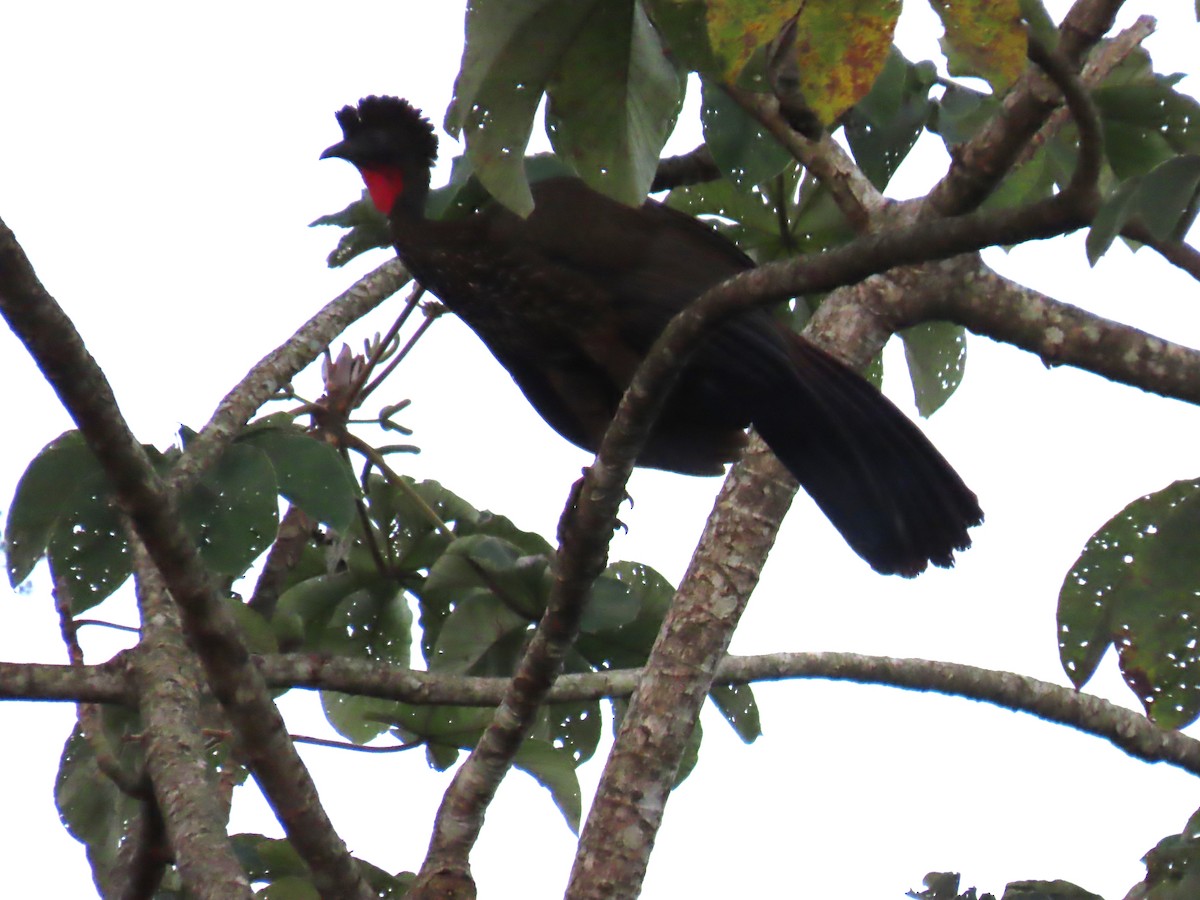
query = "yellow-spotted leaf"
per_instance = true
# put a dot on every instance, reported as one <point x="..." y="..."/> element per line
<point x="737" y="28"/>
<point x="841" y="47"/>
<point x="984" y="38"/>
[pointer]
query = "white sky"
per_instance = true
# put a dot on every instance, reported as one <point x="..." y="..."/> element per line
<point x="159" y="166"/>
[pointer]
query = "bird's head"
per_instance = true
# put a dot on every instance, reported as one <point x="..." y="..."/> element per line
<point x="393" y="147"/>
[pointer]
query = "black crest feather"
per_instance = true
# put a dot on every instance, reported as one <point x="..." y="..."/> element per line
<point x="385" y="123"/>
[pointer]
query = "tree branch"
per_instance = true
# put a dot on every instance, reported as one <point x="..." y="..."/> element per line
<point x="282" y="364"/>
<point x="58" y="350"/>
<point x="1059" y="333"/>
<point x="1126" y="729"/>
<point x="858" y="199"/>
<point x="981" y="163"/>
<point x="106" y="683"/>
<point x="168" y="680"/>
<point x="694" y="167"/>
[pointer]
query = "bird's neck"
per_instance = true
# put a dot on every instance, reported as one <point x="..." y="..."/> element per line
<point x="397" y="191"/>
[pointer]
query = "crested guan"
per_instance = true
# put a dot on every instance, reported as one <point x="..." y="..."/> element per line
<point x="571" y="298"/>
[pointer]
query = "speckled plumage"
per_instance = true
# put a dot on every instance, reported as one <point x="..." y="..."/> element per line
<point x="571" y="298"/>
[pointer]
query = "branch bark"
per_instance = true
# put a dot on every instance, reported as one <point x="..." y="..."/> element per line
<point x="168" y="680"/>
<point x="59" y="352"/>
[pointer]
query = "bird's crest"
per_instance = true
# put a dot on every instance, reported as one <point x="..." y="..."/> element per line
<point x="389" y="122"/>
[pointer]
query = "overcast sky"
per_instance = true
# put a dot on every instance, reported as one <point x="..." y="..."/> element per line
<point x="159" y="165"/>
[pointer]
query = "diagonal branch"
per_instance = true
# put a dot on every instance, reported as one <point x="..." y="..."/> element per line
<point x="981" y="163"/>
<point x="168" y="678"/>
<point x="279" y="366"/>
<point x="58" y="350"/>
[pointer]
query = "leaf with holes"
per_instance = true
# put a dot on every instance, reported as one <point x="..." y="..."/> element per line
<point x="936" y="353"/>
<point x="87" y="548"/>
<point x="554" y="770"/>
<point x="1136" y="586"/>
<point x="737" y="704"/>
<point x="513" y="49"/>
<point x="613" y="102"/>
<point x="310" y="472"/>
<point x="233" y="512"/>
<point x="43" y="497"/>
<point x="884" y="126"/>
<point x="740" y="146"/>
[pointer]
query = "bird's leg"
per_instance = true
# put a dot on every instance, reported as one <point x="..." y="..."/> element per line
<point x="573" y="504"/>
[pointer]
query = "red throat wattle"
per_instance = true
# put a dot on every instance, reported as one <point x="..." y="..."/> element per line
<point x="385" y="184"/>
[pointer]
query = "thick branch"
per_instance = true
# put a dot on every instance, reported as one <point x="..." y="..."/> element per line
<point x="1059" y="333"/>
<point x="641" y="768"/>
<point x="59" y="352"/>
<point x="168" y="679"/>
<point x="105" y="683"/>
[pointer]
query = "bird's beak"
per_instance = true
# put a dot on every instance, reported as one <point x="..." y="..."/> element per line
<point x="337" y="151"/>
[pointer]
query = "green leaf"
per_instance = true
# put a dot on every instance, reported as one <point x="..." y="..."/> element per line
<point x="884" y="126"/>
<point x="555" y="771"/>
<point x="1136" y="586"/>
<point x="737" y="704"/>
<point x="91" y="807"/>
<point x="936" y="353"/>
<point x="290" y="887"/>
<point x="42" y="498"/>
<point x="1146" y="120"/>
<point x="256" y="630"/>
<point x="1167" y="197"/>
<point x="1164" y="199"/>
<point x="1133" y="150"/>
<point x="369" y="230"/>
<point x="513" y="49"/>
<point x="479" y="621"/>
<point x="628" y="645"/>
<point x="88" y="547"/>
<point x="610" y="605"/>
<point x="1112" y="216"/>
<point x="613" y="102"/>
<point x="310" y="473"/>
<point x="741" y="148"/>
<point x="361" y="614"/>
<point x="494" y="566"/>
<point x="443" y="729"/>
<point x="960" y="113"/>
<point x="574" y="728"/>
<point x="233" y="513"/>
<point x="684" y="26"/>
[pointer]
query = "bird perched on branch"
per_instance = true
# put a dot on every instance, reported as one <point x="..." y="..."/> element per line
<point x="570" y="299"/>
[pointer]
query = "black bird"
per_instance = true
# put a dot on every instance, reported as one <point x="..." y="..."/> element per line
<point x="570" y="299"/>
